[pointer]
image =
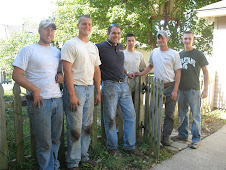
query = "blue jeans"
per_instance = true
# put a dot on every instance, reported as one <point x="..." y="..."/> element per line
<point x="169" y="113"/>
<point x="47" y="125"/>
<point x="79" y="125"/>
<point x="190" y="98"/>
<point x="114" y="93"/>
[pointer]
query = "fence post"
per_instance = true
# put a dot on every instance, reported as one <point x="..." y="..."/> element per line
<point x="18" y="123"/>
<point x="32" y="139"/>
<point x="61" y="155"/>
<point x="152" y="108"/>
<point x="103" y="136"/>
<point x="159" y="113"/>
<point x="137" y="103"/>
<point x="147" y="109"/>
<point x="4" y="153"/>
<point x="94" y="127"/>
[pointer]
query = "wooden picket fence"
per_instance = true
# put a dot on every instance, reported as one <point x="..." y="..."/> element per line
<point x="148" y="122"/>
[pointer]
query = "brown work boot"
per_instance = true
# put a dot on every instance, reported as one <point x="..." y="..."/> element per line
<point x="115" y="152"/>
<point x="176" y="138"/>
<point x="135" y="152"/>
<point x="166" y="142"/>
<point x="194" y="145"/>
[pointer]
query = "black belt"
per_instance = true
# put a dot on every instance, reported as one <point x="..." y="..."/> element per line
<point x="168" y="84"/>
<point x="119" y="81"/>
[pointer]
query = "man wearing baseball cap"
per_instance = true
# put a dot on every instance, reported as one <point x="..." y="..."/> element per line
<point x="41" y="64"/>
<point x="47" y="22"/>
<point x="167" y="67"/>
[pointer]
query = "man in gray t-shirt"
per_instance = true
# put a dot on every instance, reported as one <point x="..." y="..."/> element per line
<point x="167" y="67"/>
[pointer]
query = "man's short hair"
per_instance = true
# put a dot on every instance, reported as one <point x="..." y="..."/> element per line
<point x="112" y="25"/>
<point x="83" y="16"/>
<point x="188" y="32"/>
<point x="130" y="35"/>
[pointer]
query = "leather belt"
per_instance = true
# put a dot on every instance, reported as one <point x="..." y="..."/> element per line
<point x="168" y="84"/>
<point x="119" y="81"/>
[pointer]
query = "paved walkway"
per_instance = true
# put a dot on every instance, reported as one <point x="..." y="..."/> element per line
<point x="211" y="155"/>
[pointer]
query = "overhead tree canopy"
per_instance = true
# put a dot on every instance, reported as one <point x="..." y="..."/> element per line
<point x="143" y="18"/>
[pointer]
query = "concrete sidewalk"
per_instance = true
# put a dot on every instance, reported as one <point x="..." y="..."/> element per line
<point x="211" y="155"/>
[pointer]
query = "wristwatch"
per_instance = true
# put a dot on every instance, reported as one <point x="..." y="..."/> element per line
<point x="127" y="73"/>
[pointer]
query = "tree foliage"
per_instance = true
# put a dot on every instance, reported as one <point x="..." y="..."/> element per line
<point x="143" y="18"/>
<point x="10" y="47"/>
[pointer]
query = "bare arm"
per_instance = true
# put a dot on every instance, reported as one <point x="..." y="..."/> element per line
<point x="146" y="71"/>
<point x="73" y="100"/>
<point x="18" y="76"/>
<point x="59" y="77"/>
<point x="174" y="93"/>
<point x="206" y="81"/>
<point x="97" y="81"/>
<point x="130" y="75"/>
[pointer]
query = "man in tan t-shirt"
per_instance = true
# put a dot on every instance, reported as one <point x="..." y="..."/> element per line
<point x="81" y="63"/>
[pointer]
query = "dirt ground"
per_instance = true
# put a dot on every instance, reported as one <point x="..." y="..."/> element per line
<point x="210" y="122"/>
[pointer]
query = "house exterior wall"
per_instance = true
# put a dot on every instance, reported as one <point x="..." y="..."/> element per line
<point x="219" y="53"/>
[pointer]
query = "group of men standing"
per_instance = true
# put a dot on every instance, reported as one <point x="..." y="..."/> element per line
<point x="80" y="58"/>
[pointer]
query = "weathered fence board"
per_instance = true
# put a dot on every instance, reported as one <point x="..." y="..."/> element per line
<point x="153" y="114"/>
<point x="94" y="128"/>
<point x="3" y="141"/>
<point x="18" y="124"/>
<point x="138" y="104"/>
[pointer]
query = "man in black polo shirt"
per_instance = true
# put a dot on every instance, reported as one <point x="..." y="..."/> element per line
<point x="116" y="91"/>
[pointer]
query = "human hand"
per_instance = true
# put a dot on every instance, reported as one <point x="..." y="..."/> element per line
<point x="97" y="99"/>
<point x="131" y="75"/>
<point x="137" y="74"/>
<point x="173" y="95"/>
<point x="37" y="98"/>
<point x="204" y="94"/>
<point x="59" y="78"/>
<point x="73" y="103"/>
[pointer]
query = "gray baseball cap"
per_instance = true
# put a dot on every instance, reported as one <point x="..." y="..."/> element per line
<point x="162" y="33"/>
<point x="47" y="22"/>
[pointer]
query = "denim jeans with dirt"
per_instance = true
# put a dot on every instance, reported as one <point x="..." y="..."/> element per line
<point x="79" y="125"/>
<point x="114" y="93"/>
<point x="47" y="125"/>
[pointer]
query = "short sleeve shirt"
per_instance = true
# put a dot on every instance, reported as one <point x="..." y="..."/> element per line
<point x="165" y="63"/>
<point x="40" y="64"/>
<point x="112" y="59"/>
<point x="134" y="61"/>
<point x="84" y="57"/>
<point x="192" y="62"/>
